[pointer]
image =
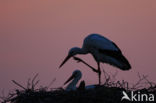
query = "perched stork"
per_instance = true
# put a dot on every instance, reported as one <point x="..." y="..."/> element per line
<point x="103" y="50"/>
<point x="75" y="77"/>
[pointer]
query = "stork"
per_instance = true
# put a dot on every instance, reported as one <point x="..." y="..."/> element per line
<point x="75" y="77"/>
<point x="103" y="50"/>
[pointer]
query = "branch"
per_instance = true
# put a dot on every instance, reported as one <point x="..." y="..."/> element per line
<point x="18" y="84"/>
<point x="34" y="84"/>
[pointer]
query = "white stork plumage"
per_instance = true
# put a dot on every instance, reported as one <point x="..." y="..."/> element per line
<point x="103" y="50"/>
<point x="75" y="77"/>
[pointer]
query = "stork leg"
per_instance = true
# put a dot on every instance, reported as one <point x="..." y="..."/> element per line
<point x="80" y="60"/>
<point x="99" y="72"/>
<point x="93" y="69"/>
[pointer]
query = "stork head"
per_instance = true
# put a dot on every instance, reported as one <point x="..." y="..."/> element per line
<point x="71" y="53"/>
<point x="76" y="75"/>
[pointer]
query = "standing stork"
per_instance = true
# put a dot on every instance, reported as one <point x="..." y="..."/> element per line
<point x="103" y="50"/>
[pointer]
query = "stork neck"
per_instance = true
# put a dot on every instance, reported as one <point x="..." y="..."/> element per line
<point x="72" y="85"/>
<point x="82" y="51"/>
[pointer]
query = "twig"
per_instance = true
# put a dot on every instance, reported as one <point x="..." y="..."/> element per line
<point x="139" y="81"/>
<point x="18" y="84"/>
<point x="35" y="84"/>
<point x="51" y="82"/>
<point x="28" y="83"/>
<point x="32" y="83"/>
<point x="106" y="75"/>
<point x="150" y="83"/>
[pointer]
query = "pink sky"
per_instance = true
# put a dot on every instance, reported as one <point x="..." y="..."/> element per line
<point x="35" y="36"/>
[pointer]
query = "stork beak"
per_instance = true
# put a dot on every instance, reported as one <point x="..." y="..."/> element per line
<point x="69" y="79"/>
<point x="65" y="60"/>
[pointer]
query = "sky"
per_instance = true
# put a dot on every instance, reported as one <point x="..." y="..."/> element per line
<point x="35" y="36"/>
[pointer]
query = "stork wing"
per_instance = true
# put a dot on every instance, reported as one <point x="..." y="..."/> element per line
<point x="121" y="61"/>
<point x="99" y="42"/>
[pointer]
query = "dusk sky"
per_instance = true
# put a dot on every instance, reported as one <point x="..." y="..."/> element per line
<point x="35" y="36"/>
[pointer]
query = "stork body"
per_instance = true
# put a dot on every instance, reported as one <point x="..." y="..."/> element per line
<point x="103" y="50"/>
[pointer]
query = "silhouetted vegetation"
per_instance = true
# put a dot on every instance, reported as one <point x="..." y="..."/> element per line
<point x="109" y="92"/>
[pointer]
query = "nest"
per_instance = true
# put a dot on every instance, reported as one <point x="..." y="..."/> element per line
<point x="109" y="92"/>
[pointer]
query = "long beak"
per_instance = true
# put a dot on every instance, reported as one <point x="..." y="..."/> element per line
<point x="65" y="60"/>
<point x="69" y="79"/>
